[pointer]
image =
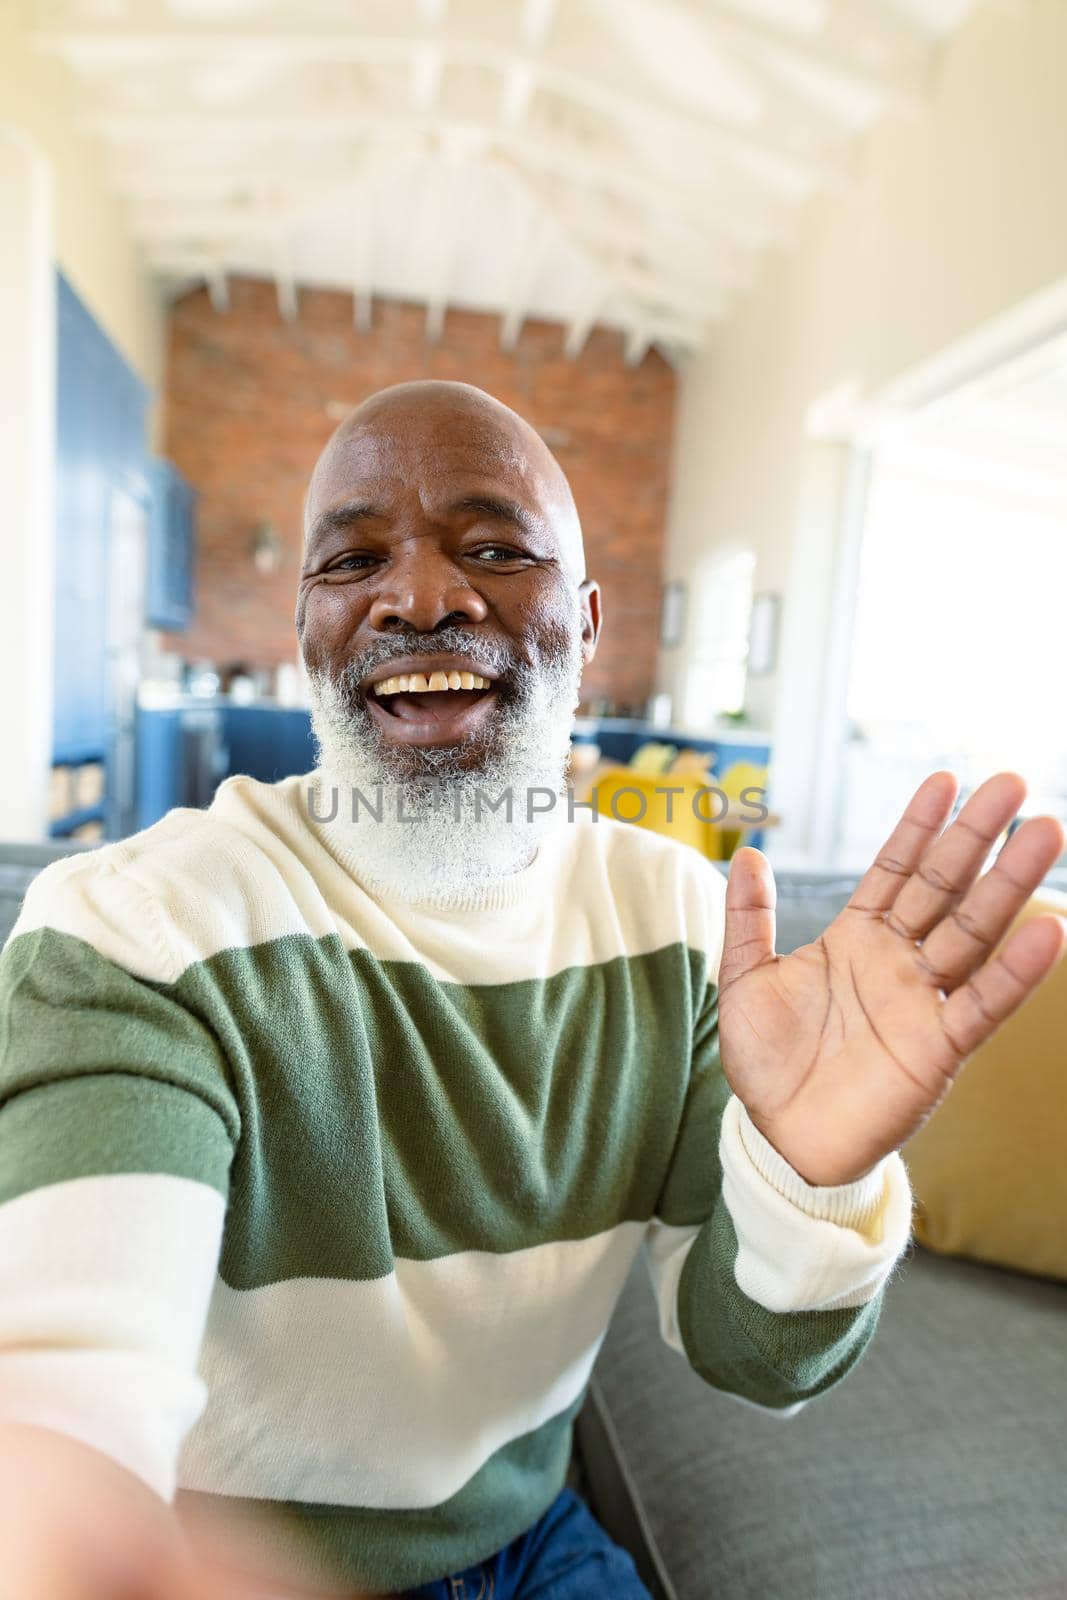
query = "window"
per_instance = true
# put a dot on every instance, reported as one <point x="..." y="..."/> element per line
<point x="959" y="654"/>
<point x="715" y="681"/>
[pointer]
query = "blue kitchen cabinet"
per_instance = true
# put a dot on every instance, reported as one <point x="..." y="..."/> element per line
<point x="184" y="751"/>
<point x="171" y="550"/>
<point x="101" y="498"/>
<point x="268" y="742"/>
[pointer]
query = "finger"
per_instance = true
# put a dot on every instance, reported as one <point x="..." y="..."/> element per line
<point x="748" y="940"/>
<point x="924" y="816"/>
<point x="951" y="864"/>
<point x="1002" y="983"/>
<point x="966" y="936"/>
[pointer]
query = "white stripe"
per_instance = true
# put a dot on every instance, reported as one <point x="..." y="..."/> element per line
<point x="104" y="1289"/>
<point x="389" y="1393"/>
<point x="251" y="869"/>
<point x="666" y="1252"/>
<point x="393" y="1393"/>
<point x="788" y="1260"/>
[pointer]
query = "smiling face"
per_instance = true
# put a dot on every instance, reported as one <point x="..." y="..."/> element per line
<point x="442" y="547"/>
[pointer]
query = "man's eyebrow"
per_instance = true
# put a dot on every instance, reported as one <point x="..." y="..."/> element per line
<point x="338" y="519"/>
<point x="502" y="509"/>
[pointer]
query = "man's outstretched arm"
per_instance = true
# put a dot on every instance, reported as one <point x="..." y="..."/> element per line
<point x="771" y="1288"/>
<point x="116" y="1137"/>
<point x="816" y="1067"/>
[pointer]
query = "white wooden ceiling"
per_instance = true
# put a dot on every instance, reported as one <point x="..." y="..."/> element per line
<point x="613" y="161"/>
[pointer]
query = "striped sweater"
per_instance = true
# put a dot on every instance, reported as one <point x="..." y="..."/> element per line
<point x="315" y="1202"/>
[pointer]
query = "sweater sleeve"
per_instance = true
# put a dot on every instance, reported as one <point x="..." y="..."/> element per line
<point x="117" y="1131"/>
<point x="771" y="1287"/>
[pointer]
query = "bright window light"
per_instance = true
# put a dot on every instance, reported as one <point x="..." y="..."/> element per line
<point x="960" y="651"/>
<point x="715" y="681"/>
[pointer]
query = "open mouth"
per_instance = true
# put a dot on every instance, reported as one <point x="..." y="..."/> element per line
<point x="432" y="708"/>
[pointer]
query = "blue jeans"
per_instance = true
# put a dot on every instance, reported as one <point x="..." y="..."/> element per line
<point x="566" y="1555"/>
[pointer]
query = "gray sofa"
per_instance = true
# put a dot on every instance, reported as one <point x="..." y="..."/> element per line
<point x="937" y="1470"/>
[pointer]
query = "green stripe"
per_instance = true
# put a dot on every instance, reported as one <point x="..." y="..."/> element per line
<point x="386" y="1551"/>
<point x="382" y="1112"/>
<point x="103" y="1073"/>
<point x="695" y="1174"/>
<point x="112" y="1123"/>
<point x="774" y="1358"/>
<point x="419" y="1118"/>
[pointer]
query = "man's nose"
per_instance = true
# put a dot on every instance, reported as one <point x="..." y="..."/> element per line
<point x="422" y="589"/>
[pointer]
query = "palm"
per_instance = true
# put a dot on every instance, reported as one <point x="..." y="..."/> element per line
<point x="843" y="1049"/>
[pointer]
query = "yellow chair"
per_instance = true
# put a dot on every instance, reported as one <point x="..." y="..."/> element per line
<point x="652" y="757"/>
<point x="631" y="796"/>
<point x="734" y="781"/>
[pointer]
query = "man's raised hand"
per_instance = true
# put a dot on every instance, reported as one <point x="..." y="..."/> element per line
<point x="842" y="1050"/>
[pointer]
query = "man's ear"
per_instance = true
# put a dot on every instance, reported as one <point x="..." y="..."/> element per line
<point x="589" y="600"/>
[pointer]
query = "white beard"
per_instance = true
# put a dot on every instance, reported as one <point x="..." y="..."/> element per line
<point x="437" y="836"/>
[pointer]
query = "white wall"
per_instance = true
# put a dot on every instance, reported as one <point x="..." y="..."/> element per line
<point x="27" y="453"/>
<point x="961" y="214"/>
<point x="54" y="209"/>
<point x="39" y="98"/>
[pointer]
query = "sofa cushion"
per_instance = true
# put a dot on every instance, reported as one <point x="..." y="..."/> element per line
<point x="933" y="1471"/>
<point x="988" y="1167"/>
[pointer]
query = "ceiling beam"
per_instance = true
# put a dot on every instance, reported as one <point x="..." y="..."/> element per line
<point x="285" y="279"/>
<point x="901" y="84"/>
<point x="362" y="309"/>
<point x="218" y="288"/>
<point x="224" y="236"/>
<point x="720" y="268"/>
<point x="435" y="319"/>
<point x="781" y="167"/>
<point x="363" y="269"/>
<point x="535" y="21"/>
<point x="614" y="251"/>
<point x="584" y="319"/>
<point x="517" y="91"/>
<point x="637" y="342"/>
<point x="162" y="220"/>
<point x="427" y="70"/>
<point x="776" y="163"/>
<point x="534" y="245"/>
<point x="571" y="159"/>
<point x="666" y="329"/>
<point x="721" y="232"/>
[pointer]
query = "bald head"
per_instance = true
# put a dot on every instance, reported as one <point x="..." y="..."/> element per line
<point x="436" y="436"/>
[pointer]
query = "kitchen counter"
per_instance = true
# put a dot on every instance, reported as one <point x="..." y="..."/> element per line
<point x="167" y="697"/>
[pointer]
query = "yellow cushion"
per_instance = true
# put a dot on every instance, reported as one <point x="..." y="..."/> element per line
<point x="989" y="1169"/>
<point x="682" y="825"/>
<point x="652" y="757"/>
<point x="692" y="764"/>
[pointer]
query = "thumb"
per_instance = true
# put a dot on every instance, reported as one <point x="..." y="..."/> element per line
<point x="748" y="941"/>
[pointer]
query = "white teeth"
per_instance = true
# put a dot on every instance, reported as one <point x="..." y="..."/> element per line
<point x="418" y="683"/>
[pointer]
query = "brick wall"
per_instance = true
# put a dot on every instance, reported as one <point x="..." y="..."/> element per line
<point x="250" y="400"/>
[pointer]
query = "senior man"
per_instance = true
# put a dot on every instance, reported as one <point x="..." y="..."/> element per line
<point x="335" y="1115"/>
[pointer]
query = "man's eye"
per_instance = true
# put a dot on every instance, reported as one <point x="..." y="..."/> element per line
<point x="501" y="553"/>
<point x="350" y="564"/>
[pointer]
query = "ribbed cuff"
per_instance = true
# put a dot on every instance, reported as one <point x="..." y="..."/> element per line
<point x="851" y="1205"/>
